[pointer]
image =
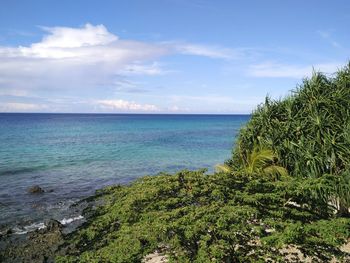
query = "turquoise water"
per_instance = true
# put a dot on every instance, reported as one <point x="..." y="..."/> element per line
<point x="72" y="155"/>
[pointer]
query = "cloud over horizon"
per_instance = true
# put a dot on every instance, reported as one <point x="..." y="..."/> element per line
<point x="87" y="59"/>
<point x="124" y="105"/>
<point x="90" y="69"/>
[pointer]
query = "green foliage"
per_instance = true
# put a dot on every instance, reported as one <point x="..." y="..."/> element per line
<point x="252" y="207"/>
<point x="309" y="131"/>
<point x="261" y="161"/>
<point x="201" y="218"/>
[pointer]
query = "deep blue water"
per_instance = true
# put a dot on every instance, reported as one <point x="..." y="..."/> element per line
<point x="74" y="154"/>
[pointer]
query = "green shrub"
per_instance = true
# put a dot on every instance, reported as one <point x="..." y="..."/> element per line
<point x="201" y="218"/>
<point x="289" y="169"/>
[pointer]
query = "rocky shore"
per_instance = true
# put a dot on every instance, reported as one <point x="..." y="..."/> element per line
<point x="54" y="240"/>
<point x="37" y="246"/>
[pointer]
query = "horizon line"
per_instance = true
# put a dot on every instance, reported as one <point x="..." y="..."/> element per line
<point x="125" y="113"/>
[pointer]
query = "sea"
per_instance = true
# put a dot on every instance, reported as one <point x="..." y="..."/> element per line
<point x="70" y="156"/>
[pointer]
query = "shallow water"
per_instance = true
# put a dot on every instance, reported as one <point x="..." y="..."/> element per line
<point x="72" y="155"/>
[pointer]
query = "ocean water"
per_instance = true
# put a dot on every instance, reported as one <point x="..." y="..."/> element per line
<point x="72" y="155"/>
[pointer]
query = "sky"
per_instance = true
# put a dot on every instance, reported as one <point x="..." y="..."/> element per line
<point x="164" y="56"/>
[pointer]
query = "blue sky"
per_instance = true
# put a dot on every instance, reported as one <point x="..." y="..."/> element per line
<point x="169" y="56"/>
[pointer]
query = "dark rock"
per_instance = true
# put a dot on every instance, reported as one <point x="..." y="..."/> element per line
<point x="35" y="247"/>
<point x="36" y="189"/>
<point x="9" y="231"/>
<point x="53" y="225"/>
<point x="6" y="232"/>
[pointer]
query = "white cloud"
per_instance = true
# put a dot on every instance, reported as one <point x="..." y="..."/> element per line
<point x="21" y="107"/>
<point x="123" y="105"/>
<point x="206" y="51"/>
<point x="86" y="59"/>
<point x="174" y="108"/>
<point x="76" y="58"/>
<point x="65" y="37"/>
<point x="177" y="109"/>
<point x="276" y="70"/>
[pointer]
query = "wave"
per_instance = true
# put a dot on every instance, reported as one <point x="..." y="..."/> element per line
<point x="41" y="225"/>
<point x="29" y="228"/>
<point x="67" y="221"/>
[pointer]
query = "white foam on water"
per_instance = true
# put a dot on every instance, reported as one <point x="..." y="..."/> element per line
<point x="29" y="228"/>
<point x="37" y="226"/>
<point x="66" y="221"/>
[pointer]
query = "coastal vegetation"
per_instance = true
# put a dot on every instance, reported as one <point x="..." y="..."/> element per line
<point x="196" y="217"/>
<point x="286" y="186"/>
<point x="282" y="197"/>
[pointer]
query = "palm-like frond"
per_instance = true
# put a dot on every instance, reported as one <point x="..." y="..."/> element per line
<point x="258" y="159"/>
<point x="262" y="161"/>
<point x="223" y="168"/>
<point x="276" y="171"/>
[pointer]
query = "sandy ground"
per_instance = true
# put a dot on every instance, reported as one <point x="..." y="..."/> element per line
<point x="292" y="254"/>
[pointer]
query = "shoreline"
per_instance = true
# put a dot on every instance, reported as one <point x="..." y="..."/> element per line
<point x="46" y="244"/>
<point x="73" y="156"/>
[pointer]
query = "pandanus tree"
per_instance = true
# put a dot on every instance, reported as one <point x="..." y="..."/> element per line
<point x="310" y="132"/>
